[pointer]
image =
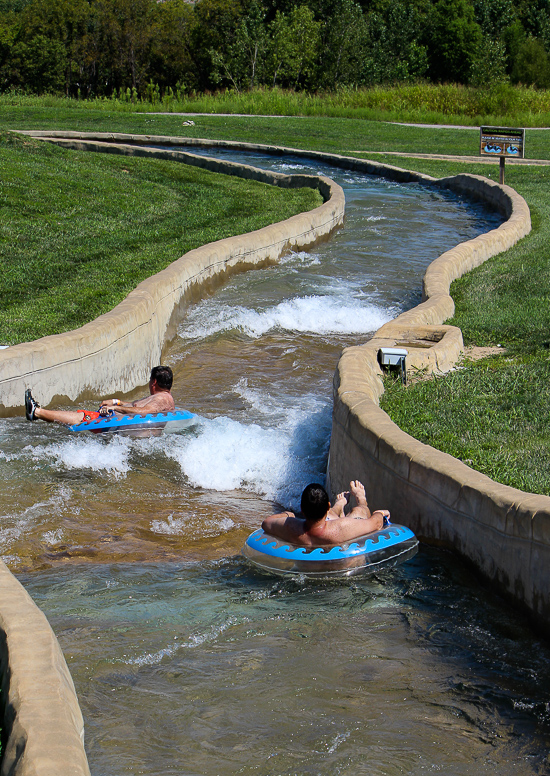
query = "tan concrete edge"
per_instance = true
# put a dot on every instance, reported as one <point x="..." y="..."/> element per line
<point x="43" y="726"/>
<point x="41" y="715"/>
<point x="116" y="352"/>
<point x="504" y="532"/>
<point x="345" y="162"/>
<point x="118" y="349"/>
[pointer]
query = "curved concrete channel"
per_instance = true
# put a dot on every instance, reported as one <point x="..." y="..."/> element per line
<point x="503" y="531"/>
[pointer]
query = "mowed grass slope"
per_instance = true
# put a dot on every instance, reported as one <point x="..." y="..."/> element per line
<point x="346" y="135"/>
<point x="79" y="231"/>
<point x="494" y="414"/>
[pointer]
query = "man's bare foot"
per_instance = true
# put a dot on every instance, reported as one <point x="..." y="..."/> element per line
<point x="358" y="492"/>
<point x="341" y="501"/>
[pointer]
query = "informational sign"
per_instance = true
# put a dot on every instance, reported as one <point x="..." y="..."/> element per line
<point x="502" y="141"/>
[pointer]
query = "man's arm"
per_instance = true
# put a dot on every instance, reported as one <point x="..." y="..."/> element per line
<point x="352" y="527"/>
<point x="139" y="407"/>
<point x="275" y="525"/>
<point x="360" y="520"/>
<point x="126" y="408"/>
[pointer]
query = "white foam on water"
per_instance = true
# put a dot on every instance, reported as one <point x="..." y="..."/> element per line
<point x="151" y="659"/>
<point x="322" y="315"/>
<point x="228" y="455"/>
<point x="300" y="259"/>
<point x="53" y="537"/>
<point x="15" y="525"/>
<point x="262" y="404"/>
<point x="171" y="526"/>
<point x="86" y="453"/>
<point x="290" y="166"/>
<point x="175" y="526"/>
<point x="10" y="560"/>
<point x="8" y="457"/>
<point x="194" y="641"/>
<point x="274" y="460"/>
<point x="339" y="739"/>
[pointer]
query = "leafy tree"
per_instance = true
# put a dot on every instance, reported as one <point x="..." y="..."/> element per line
<point x="513" y="37"/>
<point x="395" y="53"/>
<point x="344" y="40"/>
<point x="272" y="7"/>
<point x="118" y="45"/>
<point x="541" y="24"/>
<point x="140" y="47"/>
<point x="214" y="30"/>
<point x="489" y="64"/>
<point x="12" y="6"/>
<point x="293" y="47"/>
<point x="8" y="34"/>
<point x="280" y="47"/>
<point x="531" y="65"/>
<point x="171" y="45"/>
<point x="63" y="23"/>
<point x="535" y="18"/>
<point x="38" y="65"/>
<point x="453" y="40"/>
<point x="494" y="15"/>
<point x="242" y="63"/>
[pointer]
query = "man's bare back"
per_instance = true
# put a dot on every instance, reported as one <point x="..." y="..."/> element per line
<point x="332" y="527"/>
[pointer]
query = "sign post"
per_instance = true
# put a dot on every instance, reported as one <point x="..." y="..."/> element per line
<point x="504" y="142"/>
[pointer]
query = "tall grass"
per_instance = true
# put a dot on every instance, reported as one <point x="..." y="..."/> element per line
<point x="423" y="103"/>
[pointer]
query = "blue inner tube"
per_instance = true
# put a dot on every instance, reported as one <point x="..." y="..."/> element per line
<point x="367" y="554"/>
<point x="154" y="422"/>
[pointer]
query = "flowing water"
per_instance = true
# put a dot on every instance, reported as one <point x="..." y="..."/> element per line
<point x="187" y="661"/>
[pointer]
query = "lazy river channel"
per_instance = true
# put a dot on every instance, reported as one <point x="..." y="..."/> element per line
<point x="186" y="660"/>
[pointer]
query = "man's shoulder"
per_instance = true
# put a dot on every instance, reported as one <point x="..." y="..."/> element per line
<point x="166" y="404"/>
<point x="158" y="402"/>
<point x="284" y="527"/>
<point x="166" y="398"/>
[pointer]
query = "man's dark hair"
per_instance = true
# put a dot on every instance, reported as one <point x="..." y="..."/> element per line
<point x="163" y="375"/>
<point x="315" y="502"/>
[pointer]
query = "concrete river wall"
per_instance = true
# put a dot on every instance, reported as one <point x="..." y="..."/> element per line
<point x="504" y="532"/>
<point x="44" y="731"/>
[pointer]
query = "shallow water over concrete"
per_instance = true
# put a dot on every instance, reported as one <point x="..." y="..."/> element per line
<point x="185" y="660"/>
<point x="208" y="668"/>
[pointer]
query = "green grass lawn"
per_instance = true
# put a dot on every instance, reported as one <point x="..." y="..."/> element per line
<point x="506" y="301"/>
<point x="79" y="231"/>
<point x="494" y="414"/>
<point x="349" y="136"/>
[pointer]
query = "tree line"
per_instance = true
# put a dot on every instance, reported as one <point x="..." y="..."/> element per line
<point x="136" y="49"/>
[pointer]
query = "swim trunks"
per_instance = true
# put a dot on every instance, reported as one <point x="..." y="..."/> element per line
<point x="88" y="415"/>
